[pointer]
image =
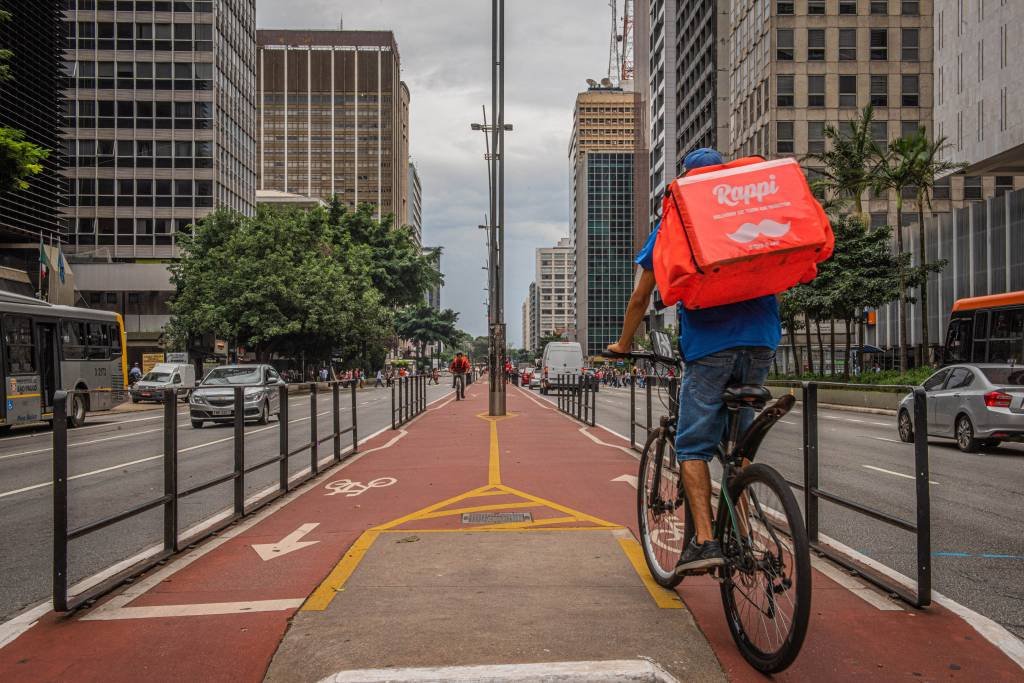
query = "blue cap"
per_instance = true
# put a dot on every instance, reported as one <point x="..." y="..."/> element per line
<point x="705" y="156"/>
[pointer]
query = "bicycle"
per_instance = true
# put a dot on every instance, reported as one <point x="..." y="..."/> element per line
<point x="766" y="578"/>
<point x="459" y="383"/>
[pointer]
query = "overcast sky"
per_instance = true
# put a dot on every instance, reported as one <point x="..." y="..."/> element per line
<point x="552" y="47"/>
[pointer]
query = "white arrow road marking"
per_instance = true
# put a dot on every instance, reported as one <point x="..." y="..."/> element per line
<point x="628" y="478"/>
<point x="268" y="551"/>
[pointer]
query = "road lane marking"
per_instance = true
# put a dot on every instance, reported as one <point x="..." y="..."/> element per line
<point x="663" y="597"/>
<point x="896" y="474"/>
<point x="82" y="443"/>
<point x="882" y="438"/>
<point x="288" y="544"/>
<point x="335" y="581"/>
<point x="202" y="609"/>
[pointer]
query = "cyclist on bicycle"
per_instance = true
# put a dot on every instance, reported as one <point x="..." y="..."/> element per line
<point x="721" y="347"/>
<point x="459" y="368"/>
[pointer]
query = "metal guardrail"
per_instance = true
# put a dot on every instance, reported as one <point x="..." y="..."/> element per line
<point x="408" y="399"/>
<point x="172" y="494"/>
<point x="653" y="381"/>
<point x="577" y="397"/>
<point x="813" y="493"/>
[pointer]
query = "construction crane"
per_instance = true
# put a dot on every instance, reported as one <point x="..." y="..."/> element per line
<point x="620" y="44"/>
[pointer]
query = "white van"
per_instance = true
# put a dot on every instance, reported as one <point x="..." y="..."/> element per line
<point x="163" y="376"/>
<point x="560" y="358"/>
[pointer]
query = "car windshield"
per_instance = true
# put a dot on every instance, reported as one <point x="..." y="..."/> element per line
<point x="156" y="377"/>
<point x="224" y="376"/>
<point x="1009" y="376"/>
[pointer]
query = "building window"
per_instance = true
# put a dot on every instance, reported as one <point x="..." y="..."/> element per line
<point x="784" y="137"/>
<point x="784" y="6"/>
<point x="815" y="6"/>
<point x="911" y="90"/>
<point x="879" y="219"/>
<point x="847" y="45"/>
<point x="910" y="7"/>
<point x="879" y="44"/>
<point x="847" y="6"/>
<point x="940" y="189"/>
<point x="908" y="128"/>
<point x="815" y="137"/>
<point x="880" y="133"/>
<point x="816" y="45"/>
<point x="784" y="44"/>
<point x="910" y="46"/>
<point x="1004" y="184"/>
<point x="879" y="6"/>
<point x="816" y="90"/>
<point x="784" y="90"/>
<point x="879" y="90"/>
<point x="972" y="187"/>
<point x="848" y="90"/>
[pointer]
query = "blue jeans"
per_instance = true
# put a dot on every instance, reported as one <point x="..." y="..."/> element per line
<point x="702" y="415"/>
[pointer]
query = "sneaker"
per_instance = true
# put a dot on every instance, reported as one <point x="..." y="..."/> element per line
<point x="697" y="557"/>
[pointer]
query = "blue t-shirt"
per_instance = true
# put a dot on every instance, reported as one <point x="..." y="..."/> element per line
<point x="754" y="322"/>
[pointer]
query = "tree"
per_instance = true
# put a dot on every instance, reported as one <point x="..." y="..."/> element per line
<point x="19" y="158"/>
<point x="851" y="157"/>
<point x="479" y="349"/>
<point x="423" y="325"/>
<point x="927" y="164"/>
<point x="548" y="338"/>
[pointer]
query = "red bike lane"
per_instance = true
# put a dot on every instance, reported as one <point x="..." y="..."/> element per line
<point x="221" y="610"/>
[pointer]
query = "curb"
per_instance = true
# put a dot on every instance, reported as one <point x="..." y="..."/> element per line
<point x="613" y="671"/>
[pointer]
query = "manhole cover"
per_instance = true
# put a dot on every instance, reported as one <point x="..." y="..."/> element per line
<point x="495" y="517"/>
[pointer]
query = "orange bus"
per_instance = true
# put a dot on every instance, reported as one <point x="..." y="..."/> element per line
<point x="986" y="329"/>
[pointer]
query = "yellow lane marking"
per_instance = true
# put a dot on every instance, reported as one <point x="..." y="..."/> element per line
<point x="477" y="508"/>
<point x="433" y="508"/>
<point x="494" y="467"/>
<point x="663" y="597"/>
<point x="413" y="532"/>
<point x="335" y="581"/>
<point x="581" y="516"/>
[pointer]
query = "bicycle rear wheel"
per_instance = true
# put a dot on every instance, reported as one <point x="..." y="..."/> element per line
<point x="766" y="587"/>
<point x="663" y="516"/>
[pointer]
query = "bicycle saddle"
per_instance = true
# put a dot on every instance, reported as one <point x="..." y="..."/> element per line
<point x="752" y="395"/>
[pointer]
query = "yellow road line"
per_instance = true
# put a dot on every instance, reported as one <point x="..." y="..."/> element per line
<point x="335" y="581"/>
<point x="413" y="532"/>
<point x="478" y="508"/>
<point x="582" y="516"/>
<point x="663" y="597"/>
<point x="494" y="467"/>
<point x="433" y="508"/>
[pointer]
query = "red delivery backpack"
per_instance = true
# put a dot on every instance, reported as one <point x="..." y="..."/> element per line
<point x="737" y="231"/>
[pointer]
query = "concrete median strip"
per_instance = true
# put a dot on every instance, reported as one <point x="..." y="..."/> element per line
<point x="638" y="671"/>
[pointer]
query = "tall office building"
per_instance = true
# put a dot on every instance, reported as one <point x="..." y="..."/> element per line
<point x="527" y="319"/>
<point x="701" y="79"/>
<point x="601" y="155"/>
<point x="662" y="86"/>
<point x="159" y="123"/>
<point x="334" y="117"/>
<point x="415" y="203"/>
<point x="551" y="293"/>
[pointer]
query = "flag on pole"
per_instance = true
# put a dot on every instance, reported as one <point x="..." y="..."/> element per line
<point x="44" y="261"/>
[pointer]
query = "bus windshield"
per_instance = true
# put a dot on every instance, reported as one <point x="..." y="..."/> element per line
<point x="224" y="376"/>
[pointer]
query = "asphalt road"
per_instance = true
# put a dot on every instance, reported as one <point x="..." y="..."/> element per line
<point x="977" y="500"/>
<point x="115" y="462"/>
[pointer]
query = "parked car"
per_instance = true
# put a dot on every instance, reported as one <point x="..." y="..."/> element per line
<point x="213" y="400"/>
<point x="163" y="376"/>
<point x="526" y="375"/>
<point x="561" y="359"/>
<point x="535" y="380"/>
<point x="978" y="405"/>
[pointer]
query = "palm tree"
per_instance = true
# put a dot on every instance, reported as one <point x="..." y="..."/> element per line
<point x="895" y="172"/>
<point x="850" y="159"/>
<point x="927" y="165"/>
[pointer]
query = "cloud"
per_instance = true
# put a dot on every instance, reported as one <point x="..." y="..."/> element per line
<point x="445" y="47"/>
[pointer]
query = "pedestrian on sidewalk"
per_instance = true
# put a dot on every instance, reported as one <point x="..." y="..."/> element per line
<point x="459" y="368"/>
<point x="380" y="379"/>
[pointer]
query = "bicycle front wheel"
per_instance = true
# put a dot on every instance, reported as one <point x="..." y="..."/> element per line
<point x="663" y="516"/>
<point x="766" y="587"/>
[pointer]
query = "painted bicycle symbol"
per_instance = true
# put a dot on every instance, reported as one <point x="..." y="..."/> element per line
<point x="354" y="488"/>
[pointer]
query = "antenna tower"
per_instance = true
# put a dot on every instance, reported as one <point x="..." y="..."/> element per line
<point x="620" y="46"/>
<point x="614" y="56"/>
<point x="626" y="72"/>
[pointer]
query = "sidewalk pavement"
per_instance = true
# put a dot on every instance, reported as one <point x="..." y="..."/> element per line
<point x="462" y="540"/>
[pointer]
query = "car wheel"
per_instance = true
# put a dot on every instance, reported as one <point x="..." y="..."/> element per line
<point x="906" y="426"/>
<point x="134" y="400"/>
<point x="76" y="418"/>
<point x="965" y="435"/>
<point x="197" y="424"/>
<point x="264" y="414"/>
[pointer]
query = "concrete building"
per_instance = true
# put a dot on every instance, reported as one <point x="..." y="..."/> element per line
<point x="433" y="295"/>
<point x="281" y="199"/>
<point x="601" y="157"/>
<point x="333" y="117"/>
<point x="700" y="60"/>
<point x="415" y="203"/>
<point x="662" y="86"/>
<point x="551" y="291"/>
<point x="979" y="93"/>
<point x="527" y="318"/>
<point x="159" y="121"/>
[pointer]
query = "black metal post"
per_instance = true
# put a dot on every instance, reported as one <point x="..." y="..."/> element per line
<point x="632" y="413"/>
<point x="401" y="403"/>
<point x="647" y="386"/>
<point x="394" y="424"/>
<point x="593" y="403"/>
<point x="579" y="397"/>
<point x="60" y="501"/>
<point x="314" y="450"/>
<point x="924" y="506"/>
<point x="282" y="423"/>
<point x="239" y="480"/>
<point x="171" y="470"/>
<point x="355" y="421"/>
<point x="336" y="408"/>
<point x="810" y="391"/>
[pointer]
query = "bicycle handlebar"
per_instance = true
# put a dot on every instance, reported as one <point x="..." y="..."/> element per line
<point x="641" y="355"/>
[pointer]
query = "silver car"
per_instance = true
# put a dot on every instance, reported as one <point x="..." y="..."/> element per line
<point x="978" y="405"/>
<point x="214" y="399"/>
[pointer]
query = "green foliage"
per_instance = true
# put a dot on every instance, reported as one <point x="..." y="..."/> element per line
<point x="19" y="159"/>
<point x="423" y="325"/>
<point x="912" y="377"/>
<point x="851" y="156"/>
<point x="547" y="338"/>
<point x="5" y="55"/>
<point x="478" y="349"/>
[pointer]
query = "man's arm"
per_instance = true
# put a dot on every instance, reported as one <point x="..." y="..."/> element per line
<point x="635" y="311"/>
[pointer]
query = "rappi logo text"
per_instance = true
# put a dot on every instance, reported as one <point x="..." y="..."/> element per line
<point x="734" y="195"/>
